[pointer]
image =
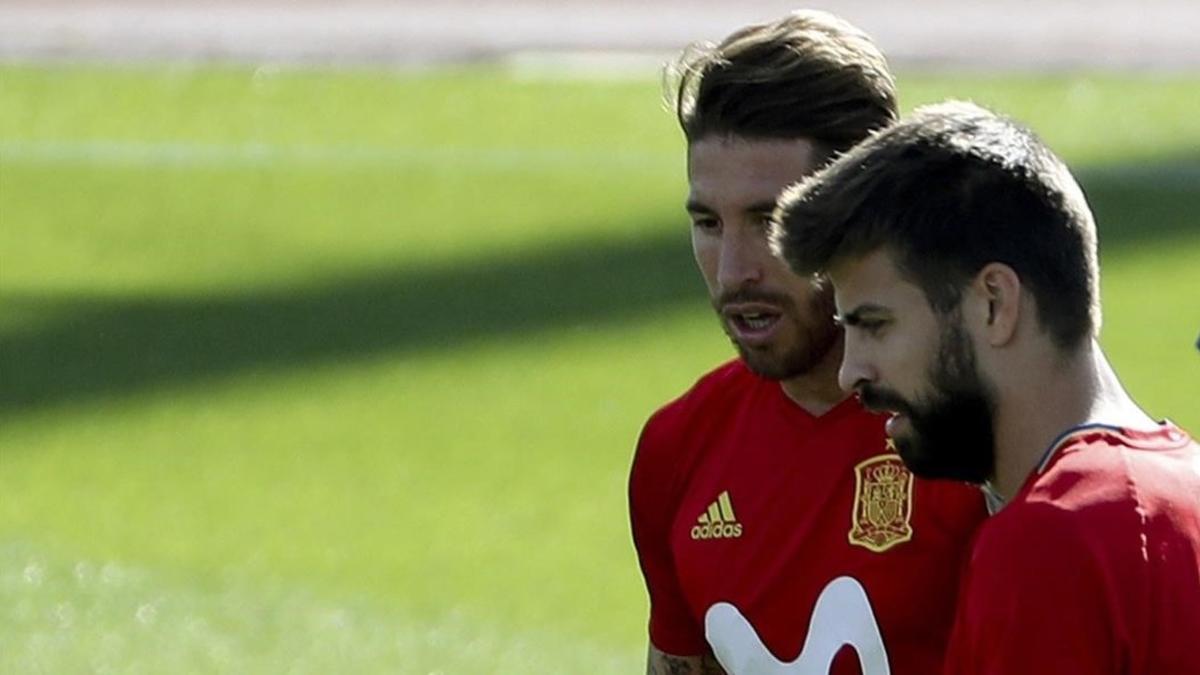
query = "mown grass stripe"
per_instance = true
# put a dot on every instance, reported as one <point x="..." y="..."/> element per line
<point x="84" y="615"/>
<point x="183" y="154"/>
<point x="187" y="155"/>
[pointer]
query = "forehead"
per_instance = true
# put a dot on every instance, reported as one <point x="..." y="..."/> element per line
<point x="874" y="280"/>
<point x="725" y="170"/>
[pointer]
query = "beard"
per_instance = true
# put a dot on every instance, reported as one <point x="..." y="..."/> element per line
<point x="814" y="334"/>
<point x="952" y="433"/>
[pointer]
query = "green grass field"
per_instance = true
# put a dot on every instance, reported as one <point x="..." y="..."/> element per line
<point x="341" y="371"/>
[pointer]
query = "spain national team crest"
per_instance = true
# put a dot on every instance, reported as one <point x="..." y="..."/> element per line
<point x="882" y="514"/>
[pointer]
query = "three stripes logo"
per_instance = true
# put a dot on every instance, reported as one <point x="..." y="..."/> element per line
<point x="718" y="522"/>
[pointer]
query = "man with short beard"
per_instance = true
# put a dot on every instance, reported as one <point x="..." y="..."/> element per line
<point x="963" y="257"/>
<point x="774" y="525"/>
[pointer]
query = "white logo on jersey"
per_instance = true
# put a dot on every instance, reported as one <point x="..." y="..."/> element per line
<point x="842" y="616"/>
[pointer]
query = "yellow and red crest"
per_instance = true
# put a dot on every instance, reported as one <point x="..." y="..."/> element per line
<point x="882" y="515"/>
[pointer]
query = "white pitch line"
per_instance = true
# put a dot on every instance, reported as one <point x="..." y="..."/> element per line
<point x="189" y="155"/>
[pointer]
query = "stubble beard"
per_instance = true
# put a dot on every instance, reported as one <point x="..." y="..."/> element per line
<point x="814" y="335"/>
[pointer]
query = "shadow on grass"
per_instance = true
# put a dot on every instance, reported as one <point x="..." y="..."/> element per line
<point x="1139" y="204"/>
<point x="107" y="347"/>
<point x="92" y="348"/>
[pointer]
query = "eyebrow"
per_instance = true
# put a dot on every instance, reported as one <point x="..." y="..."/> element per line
<point x="858" y="314"/>
<point x="694" y="206"/>
<point x="762" y="207"/>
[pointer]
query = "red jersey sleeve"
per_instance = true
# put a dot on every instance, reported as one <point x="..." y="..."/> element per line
<point x="654" y="484"/>
<point x="1033" y="602"/>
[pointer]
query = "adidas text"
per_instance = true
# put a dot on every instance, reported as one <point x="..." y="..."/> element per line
<point x="717" y="531"/>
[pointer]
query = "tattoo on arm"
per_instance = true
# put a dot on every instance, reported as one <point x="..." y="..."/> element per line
<point x="660" y="663"/>
<point x="710" y="666"/>
<point x="674" y="665"/>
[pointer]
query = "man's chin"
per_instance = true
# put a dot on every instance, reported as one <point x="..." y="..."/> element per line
<point x="917" y="461"/>
<point x="769" y="364"/>
<point x="766" y="366"/>
<point x="772" y="362"/>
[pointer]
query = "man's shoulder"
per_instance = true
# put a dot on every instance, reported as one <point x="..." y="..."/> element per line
<point x="1095" y="470"/>
<point x="1036" y="549"/>
<point x="714" y="390"/>
<point x="667" y="442"/>
<point x="1026" y="525"/>
<point x="1096" y="491"/>
<point x="1102" y="520"/>
<point x="1064" y="505"/>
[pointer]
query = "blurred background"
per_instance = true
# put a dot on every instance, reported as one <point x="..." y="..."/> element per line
<point x="327" y="329"/>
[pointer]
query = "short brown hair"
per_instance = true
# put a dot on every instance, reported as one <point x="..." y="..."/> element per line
<point x="809" y="74"/>
<point x="948" y="191"/>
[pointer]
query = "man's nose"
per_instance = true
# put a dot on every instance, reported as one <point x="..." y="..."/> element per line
<point x="855" y="370"/>
<point x="742" y="259"/>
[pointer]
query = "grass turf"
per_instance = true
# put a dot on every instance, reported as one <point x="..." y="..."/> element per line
<point x="321" y="371"/>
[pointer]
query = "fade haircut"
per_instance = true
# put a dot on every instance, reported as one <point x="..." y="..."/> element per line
<point x="809" y="74"/>
<point x="947" y="192"/>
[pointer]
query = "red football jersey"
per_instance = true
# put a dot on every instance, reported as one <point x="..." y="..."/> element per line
<point x="779" y="539"/>
<point x="1093" y="567"/>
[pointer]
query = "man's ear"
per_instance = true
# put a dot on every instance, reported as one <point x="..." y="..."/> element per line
<point x="997" y="303"/>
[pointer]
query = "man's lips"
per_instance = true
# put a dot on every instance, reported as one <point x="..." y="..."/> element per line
<point x="751" y="321"/>
<point x="882" y="402"/>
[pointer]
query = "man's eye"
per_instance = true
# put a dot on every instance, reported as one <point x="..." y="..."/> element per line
<point x="872" y="326"/>
<point x="705" y="223"/>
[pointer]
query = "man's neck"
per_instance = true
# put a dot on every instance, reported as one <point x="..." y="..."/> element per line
<point x="1039" y="402"/>
<point x="817" y="390"/>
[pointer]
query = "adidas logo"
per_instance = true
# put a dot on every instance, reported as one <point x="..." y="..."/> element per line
<point x="718" y="522"/>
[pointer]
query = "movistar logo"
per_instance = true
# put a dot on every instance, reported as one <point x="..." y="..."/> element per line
<point x="718" y="522"/>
